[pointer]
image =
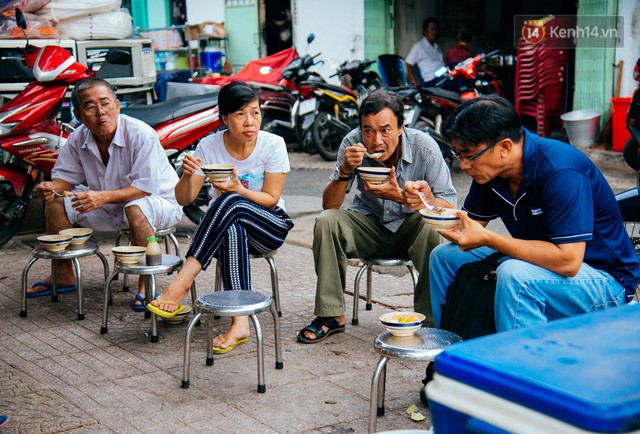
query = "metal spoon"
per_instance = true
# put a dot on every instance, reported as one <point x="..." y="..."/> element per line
<point x="436" y="209"/>
<point x="375" y="155"/>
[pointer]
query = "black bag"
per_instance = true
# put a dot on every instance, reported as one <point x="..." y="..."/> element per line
<point x="468" y="310"/>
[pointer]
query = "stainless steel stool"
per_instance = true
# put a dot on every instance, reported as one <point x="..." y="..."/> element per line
<point x="233" y="303"/>
<point x="424" y="345"/>
<point x="170" y="263"/>
<point x="367" y="265"/>
<point x="166" y="234"/>
<point x="275" y="292"/>
<point x="71" y="252"/>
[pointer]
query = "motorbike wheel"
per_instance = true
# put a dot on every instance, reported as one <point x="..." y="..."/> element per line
<point x="630" y="154"/>
<point x="445" y="148"/>
<point x="327" y="141"/>
<point x="12" y="210"/>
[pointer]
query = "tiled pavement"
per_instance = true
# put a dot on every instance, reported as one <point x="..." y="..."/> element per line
<point x="58" y="374"/>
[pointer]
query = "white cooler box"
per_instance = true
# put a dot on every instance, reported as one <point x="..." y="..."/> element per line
<point x="576" y="375"/>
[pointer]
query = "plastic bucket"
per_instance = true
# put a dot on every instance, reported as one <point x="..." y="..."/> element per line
<point x="619" y="109"/>
<point x="582" y="127"/>
<point x="213" y="59"/>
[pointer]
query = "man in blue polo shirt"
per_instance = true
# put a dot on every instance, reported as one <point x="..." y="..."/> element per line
<point x="568" y="252"/>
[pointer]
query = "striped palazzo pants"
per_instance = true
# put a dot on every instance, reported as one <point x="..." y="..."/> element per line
<point x="233" y="228"/>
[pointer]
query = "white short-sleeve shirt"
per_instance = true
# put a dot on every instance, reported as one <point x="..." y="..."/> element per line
<point x="136" y="158"/>
<point x="428" y="58"/>
<point x="268" y="156"/>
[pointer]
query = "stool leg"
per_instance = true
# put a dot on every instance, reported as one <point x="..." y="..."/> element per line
<point x="76" y="265"/>
<point x="105" y="264"/>
<point x="125" y="282"/>
<point x="256" y="325"/>
<point x="274" y="284"/>
<point x="25" y="272"/>
<point x="174" y="241"/>
<point x="150" y="294"/>
<point x="375" y="386"/>
<point x="356" y="294"/>
<point x="414" y="275"/>
<point x="194" y="295"/>
<point x="107" y="299"/>
<point x="54" y="281"/>
<point x="369" y="283"/>
<point x="186" y="363"/>
<point x="218" y="283"/>
<point x="209" y="341"/>
<point x="276" y="329"/>
<point x="381" y="390"/>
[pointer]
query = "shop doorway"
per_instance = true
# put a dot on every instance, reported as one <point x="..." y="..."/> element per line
<point x="278" y="29"/>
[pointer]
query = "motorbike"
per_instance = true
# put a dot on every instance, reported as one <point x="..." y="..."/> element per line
<point x="337" y="106"/>
<point x="353" y="74"/>
<point x="288" y="109"/>
<point x="32" y="130"/>
<point x="429" y="106"/>
<point x="629" y="200"/>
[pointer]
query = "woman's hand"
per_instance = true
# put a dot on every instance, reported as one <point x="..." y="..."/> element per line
<point x="231" y="185"/>
<point x="190" y="164"/>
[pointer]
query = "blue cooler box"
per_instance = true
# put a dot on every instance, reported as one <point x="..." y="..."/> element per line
<point x="576" y="375"/>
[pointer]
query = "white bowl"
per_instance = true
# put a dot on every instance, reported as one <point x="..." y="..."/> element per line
<point x="395" y="322"/>
<point x="80" y="235"/>
<point x="374" y="175"/>
<point x="128" y="254"/>
<point x="217" y="172"/>
<point x="447" y="219"/>
<point x="55" y="243"/>
<point x="179" y="317"/>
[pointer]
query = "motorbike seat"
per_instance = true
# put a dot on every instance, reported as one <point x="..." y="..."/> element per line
<point x="442" y="93"/>
<point x="171" y="109"/>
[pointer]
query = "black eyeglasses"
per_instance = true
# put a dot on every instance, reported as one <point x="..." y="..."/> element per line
<point x="473" y="157"/>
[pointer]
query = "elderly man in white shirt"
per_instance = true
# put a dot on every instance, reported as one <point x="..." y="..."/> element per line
<point x="129" y="181"/>
<point x="426" y="55"/>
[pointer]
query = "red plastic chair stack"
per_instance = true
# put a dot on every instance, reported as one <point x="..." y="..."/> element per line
<point x="540" y="80"/>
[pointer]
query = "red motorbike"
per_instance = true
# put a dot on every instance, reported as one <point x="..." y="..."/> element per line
<point x="31" y="130"/>
<point x="429" y="106"/>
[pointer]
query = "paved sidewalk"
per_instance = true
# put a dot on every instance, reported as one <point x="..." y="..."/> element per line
<point x="60" y="375"/>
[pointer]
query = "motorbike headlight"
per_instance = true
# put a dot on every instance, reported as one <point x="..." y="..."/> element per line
<point x="7" y="127"/>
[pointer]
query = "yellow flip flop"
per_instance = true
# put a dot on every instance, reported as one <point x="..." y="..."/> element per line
<point x="165" y="313"/>
<point x="218" y="350"/>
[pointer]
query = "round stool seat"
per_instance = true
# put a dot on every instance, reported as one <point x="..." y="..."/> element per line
<point x="169" y="264"/>
<point x="234" y="303"/>
<point x="425" y="344"/>
<point x="78" y="251"/>
<point x="390" y="262"/>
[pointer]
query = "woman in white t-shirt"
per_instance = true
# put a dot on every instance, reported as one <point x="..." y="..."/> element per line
<point x="246" y="213"/>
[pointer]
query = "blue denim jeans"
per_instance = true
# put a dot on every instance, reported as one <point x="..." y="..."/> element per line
<point x="525" y="293"/>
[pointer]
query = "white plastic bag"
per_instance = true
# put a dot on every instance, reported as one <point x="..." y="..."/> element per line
<point x="59" y="10"/>
<point x="110" y="25"/>
<point x="37" y="27"/>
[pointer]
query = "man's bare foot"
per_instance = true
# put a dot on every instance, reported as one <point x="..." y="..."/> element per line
<point x="239" y="329"/>
<point x="41" y="288"/>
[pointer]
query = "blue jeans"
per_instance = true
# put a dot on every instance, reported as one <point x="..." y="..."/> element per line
<point x="525" y="293"/>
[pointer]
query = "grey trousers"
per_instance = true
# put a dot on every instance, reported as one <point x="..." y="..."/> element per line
<point x="341" y="234"/>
